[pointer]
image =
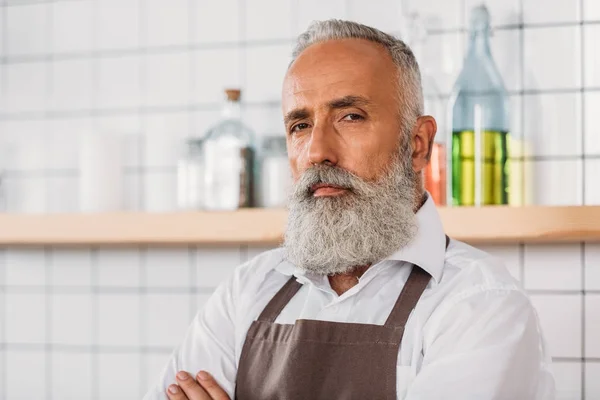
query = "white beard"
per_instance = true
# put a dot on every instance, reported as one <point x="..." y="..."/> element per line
<point x="333" y="235"/>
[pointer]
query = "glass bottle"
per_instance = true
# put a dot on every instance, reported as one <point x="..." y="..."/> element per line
<point x="227" y="153"/>
<point x="435" y="172"/>
<point x="479" y="120"/>
<point x="190" y="180"/>
<point x="275" y="178"/>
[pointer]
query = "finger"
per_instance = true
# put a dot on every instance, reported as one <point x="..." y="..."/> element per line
<point x="211" y="386"/>
<point x="190" y="387"/>
<point x="174" y="392"/>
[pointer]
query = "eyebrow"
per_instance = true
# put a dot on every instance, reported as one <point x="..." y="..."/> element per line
<point x="342" y="102"/>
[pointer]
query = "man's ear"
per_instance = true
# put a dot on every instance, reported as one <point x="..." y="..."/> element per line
<point x="422" y="141"/>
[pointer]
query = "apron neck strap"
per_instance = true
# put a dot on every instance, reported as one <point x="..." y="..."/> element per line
<point x="278" y="302"/>
<point x="410" y="295"/>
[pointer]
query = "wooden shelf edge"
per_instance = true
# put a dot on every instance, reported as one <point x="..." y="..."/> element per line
<point x="265" y="227"/>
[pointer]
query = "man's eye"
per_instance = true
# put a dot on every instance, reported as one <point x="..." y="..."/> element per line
<point x="353" y="117"/>
<point x="299" y="127"/>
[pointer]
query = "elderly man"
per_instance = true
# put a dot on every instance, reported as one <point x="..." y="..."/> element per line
<point x="367" y="298"/>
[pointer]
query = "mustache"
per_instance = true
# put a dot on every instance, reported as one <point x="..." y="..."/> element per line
<point x="328" y="175"/>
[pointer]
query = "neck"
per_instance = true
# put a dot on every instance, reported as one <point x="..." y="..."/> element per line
<point x="341" y="283"/>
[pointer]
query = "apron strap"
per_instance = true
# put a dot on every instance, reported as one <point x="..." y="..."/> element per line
<point x="414" y="287"/>
<point x="410" y="295"/>
<point x="278" y="302"/>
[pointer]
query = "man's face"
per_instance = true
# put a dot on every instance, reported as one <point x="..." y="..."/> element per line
<point x="341" y="108"/>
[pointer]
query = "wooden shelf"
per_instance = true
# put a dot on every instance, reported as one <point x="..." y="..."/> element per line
<point x="264" y="227"/>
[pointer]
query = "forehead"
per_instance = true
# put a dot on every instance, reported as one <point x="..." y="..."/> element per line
<point x="339" y="68"/>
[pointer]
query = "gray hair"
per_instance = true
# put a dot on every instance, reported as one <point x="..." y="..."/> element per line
<point x="410" y="93"/>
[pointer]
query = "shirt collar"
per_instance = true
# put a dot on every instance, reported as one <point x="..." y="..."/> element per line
<point x="427" y="249"/>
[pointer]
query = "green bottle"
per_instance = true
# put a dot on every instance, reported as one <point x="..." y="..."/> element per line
<point x="479" y="154"/>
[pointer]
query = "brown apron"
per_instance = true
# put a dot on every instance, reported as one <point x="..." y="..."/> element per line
<point x="324" y="360"/>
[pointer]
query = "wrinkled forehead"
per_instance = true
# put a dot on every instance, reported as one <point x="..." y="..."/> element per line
<point x="339" y="68"/>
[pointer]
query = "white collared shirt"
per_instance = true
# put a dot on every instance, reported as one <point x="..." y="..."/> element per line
<point x="473" y="335"/>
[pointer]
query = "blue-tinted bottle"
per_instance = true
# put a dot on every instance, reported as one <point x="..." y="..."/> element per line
<point x="479" y="169"/>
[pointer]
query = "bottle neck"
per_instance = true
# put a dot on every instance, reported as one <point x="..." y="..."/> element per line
<point x="231" y="110"/>
<point x="480" y="43"/>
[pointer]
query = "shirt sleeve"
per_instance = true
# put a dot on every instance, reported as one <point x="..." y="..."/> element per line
<point x="209" y="344"/>
<point x="487" y="345"/>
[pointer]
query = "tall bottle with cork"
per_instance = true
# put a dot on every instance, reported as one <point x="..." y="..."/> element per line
<point x="227" y="154"/>
<point x="479" y="138"/>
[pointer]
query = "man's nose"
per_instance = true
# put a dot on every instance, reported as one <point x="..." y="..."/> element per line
<point x="322" y="148"/>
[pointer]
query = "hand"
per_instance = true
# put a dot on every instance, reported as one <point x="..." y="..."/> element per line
<point x="204" y="387"/>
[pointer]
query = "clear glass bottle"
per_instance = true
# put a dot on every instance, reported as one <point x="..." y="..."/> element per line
<point x="480" y="125"/>
<point x="227" y="153"/>
<point x="435" y="172"/>
<point x="275" y="178"/>
<point x="190" y="180"/>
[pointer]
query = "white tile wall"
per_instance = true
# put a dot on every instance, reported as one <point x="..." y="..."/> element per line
<point x="592" y="190"/>
<point x="72" y="26"/>
<point x="592" y="383"/>
<point x="71" y="376"/>
<point x="510" y="254"/>
<point x="20" y="38"/>
<point x="592" y="311"/>
<point x="558" y="46"/>
<point x="265" y="69"/>
<point x="118" y="267"/>
<point x="25" y="267"/>
<point x="214" y="265"/>
<point x="274" y="24"/>
<point x="568" y="380"/>
<point x="25" y="317"/>
<point x="118" y="320"/>
<point x="30" y="385"/>
<point x="171" y="91"/>
<point x="71" y="85"/>
<point x="385" y="14"/>
<point x="167" y="267"/>
<point x="167" y="23"/>
<point x="167" y="318"/>
<point x="215" y="70"/>
<point x="71" y="319"/>
<point x="537" y="11"/>
<point x="216" y="21"/>
<point x="119" y="82"/>
<point x="553" y="267"/>
<point x="553" y="124"/>
<point x="26" y="87"/>
<point x="119" y="376"/>
<point x="117" y="24"/>
<point x="71" y="267"/>
<point x="592" y="123"/>
<point x="591" y="10"/>
<point x="592" y="266"/>
<point x="560" y="317"/>
<point x="315" y="10"/>
<point x="157" y="75"/>
<point x="554" y="182"/>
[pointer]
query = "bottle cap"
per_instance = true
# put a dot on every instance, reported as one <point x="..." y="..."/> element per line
<point x="233" y="94"/>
